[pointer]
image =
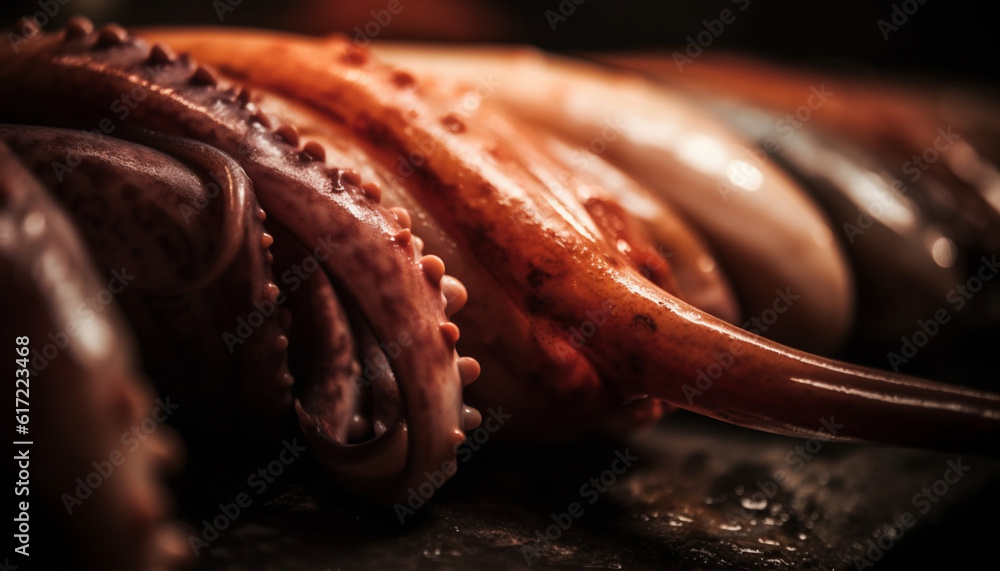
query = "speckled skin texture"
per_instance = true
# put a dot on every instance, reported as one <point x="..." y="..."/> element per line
<point x="193" y="262"/>
<point x="533" y="244"/>
<point x="73" y="78"/>
<point x="538" y="248"/>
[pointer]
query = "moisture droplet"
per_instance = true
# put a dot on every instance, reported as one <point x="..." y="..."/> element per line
<point x="754" y="502"/>
<point x="731" y="527"/>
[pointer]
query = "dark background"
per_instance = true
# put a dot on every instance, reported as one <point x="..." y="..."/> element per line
<point x="948" y="40"/>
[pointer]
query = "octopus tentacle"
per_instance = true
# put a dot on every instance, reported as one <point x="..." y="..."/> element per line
<point x="148" y="216"/>
<point x="352" y="417"/>
<point x="321" y="349"/>
<point x="559" y="400"/>
<point x="94" y="383"/>
<point x="117" y="204"/>
<point x="238" y="204"/>
<point x="372" y="262"/>
<point x="928" y="236"/>
<point x="765" y="230"/>
<point x="633" y="220"/>
<point x="652" y="344"/>
<point x="892" y="121"/>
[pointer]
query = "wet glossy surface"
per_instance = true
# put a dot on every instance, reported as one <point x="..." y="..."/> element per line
<point x="690" y="501"/>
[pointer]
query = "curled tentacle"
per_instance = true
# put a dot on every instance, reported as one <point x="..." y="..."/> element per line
<point x="324" y="207"/>
<point x="238" y="205"/>
<point x="154" y="222"/>
<point x="548" y="264"/>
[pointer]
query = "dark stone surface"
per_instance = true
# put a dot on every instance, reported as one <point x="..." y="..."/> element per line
<point x="701" y="495"/>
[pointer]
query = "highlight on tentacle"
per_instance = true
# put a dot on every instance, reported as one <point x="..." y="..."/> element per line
<point x="650" y="344"/>
<point x="889" y="120"/>
<point x="319" y="203"/>
<point x="764" y="229"/>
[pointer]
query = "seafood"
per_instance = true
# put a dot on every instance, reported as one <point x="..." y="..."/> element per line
<point x="114" y="522"/>
<point x="276" y="196"/>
